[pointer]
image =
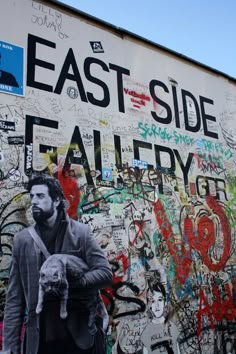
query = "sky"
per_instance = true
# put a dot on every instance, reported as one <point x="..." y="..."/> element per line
<point x="203" y="30"/>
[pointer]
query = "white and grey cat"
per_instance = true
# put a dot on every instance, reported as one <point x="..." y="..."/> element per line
<point x="53" y="280"/>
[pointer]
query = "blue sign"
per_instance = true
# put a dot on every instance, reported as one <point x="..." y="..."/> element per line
<point x="107" y="174"/>
<point x="140" y="164"/>
<point x="11" y="69"/>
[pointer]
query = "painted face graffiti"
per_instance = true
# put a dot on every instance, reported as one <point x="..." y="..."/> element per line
<point x="158" y="305"/>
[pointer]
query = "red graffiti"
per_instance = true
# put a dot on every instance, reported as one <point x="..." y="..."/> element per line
<point x="204" y="238"/>
<point x="219" y="309"/>
<point x="181" y="257"/>
<point x="201" y="241"/>
<point x="136" y="236"/>
<point x="71" y="192"/>
<point x="138" y="99"/>
<point x="133" y="93"/>
<point x="122" y="262"/>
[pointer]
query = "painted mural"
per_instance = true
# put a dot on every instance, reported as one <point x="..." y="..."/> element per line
<point x="143" y="143"/>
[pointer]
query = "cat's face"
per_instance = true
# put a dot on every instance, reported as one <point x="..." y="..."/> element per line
<point x="52" y="278"/>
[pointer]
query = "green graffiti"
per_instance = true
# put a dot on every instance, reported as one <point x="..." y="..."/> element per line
<point x="154" y="131"/>
<point x="146" y="131"/>
<point x="109" y="344"/>
<point x="215" y="147"/>
<point x="183" y="139"/>
<point x="230" y="209"/>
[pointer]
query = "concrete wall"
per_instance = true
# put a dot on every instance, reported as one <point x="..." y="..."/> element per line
<point x="143" y="142"/>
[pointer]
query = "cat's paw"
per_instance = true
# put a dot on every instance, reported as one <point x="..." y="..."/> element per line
<point x="38" y="309"/>
<point x="63" y="315"/>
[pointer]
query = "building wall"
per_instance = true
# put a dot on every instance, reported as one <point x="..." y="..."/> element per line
<point x="143" y="143"/>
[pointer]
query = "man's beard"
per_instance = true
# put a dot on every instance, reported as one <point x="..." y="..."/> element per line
<point x="40" y="216"/>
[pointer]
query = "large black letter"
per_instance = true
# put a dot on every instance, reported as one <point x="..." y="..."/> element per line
<point x="185" y="168"/>
<point x="97" y="152"/>
<point x="32" y="61"/>
<point x="143" y="145"/>
<point x="120" y="92"/>
<point x="106" y="100"/>
<point x="70" y="61"/>
<point x="30" y="121"/>
<point x="176" y="107"/>
<point x="206" y="117"/>
<point x="164" y="170"/>
<point x="71" y="158"/>
<point x="152" y="86"/>
<point x="191" y="128"/>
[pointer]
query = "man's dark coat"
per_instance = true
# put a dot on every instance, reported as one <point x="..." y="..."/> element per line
<point x="22" y="295"/>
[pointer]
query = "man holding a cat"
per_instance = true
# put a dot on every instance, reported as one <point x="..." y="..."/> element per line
<point x="73" y="332"/>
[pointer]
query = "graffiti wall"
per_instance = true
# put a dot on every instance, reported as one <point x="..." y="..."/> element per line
<point x="143" y="143"/>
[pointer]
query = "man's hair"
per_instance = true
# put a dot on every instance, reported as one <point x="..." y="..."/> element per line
<point x="54" y="188"/>
<point x="158" y="287"/>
